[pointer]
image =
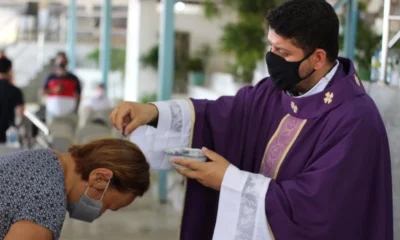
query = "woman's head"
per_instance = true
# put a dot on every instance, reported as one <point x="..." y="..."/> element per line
<point x="113" y="167"/>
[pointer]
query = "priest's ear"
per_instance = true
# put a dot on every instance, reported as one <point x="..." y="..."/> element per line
<point x="319" y="58"/>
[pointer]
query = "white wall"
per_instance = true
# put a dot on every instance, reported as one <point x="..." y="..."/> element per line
<point x="139" y="40"/>
<point x="206" y="31"/>
<point x="143" y="30"/>
<point x="9" y="21"/>
<point x="223" y="84"/>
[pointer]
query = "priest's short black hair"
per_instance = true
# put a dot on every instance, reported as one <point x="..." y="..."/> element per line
<point x="5" y="65"/>
<point x="311" y="24"/>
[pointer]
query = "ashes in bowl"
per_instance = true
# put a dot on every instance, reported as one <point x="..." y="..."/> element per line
<point x="191" y="154"/>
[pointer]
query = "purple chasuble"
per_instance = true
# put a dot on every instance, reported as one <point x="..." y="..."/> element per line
<point x="327" y="155"/>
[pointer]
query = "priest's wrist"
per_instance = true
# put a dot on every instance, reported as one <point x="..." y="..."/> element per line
<point x="153" y="115"/>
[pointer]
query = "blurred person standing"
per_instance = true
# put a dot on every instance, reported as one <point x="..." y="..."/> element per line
<point x="11" y="77"/>
<point x="62" y="90"/>
<point x="11" y="98"/>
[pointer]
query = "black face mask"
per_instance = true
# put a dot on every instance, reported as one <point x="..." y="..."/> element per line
<point x="61" y="65"/>
<point x="284" y="74"/>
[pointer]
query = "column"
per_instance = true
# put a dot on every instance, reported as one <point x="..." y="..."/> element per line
<point x="353" y="22"/>
<point x="132" y="66"/>
<point x="105" y="48"/>
<point x="43" y="15"/>
<point x="71" y="35"/>
<point x="351" y="28"/>
<point x="142" y="34"/>
<point x="167" y="50"/>
<point x="385" y="40"/>
<point x="166" y="71"/>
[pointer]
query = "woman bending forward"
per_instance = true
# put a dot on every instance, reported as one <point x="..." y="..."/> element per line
<point x="37" y="187"/>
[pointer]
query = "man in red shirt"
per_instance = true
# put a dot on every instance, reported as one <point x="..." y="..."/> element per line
<point x="62" y="90"/>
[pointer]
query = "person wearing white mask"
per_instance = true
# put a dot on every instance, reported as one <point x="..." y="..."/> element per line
<point x="100" y="106"/>
<point x="37" y="187"/>
<point x="100" y="102"/>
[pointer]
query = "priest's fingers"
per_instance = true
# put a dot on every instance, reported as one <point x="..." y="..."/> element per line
<point x="212" y="155"/>
<point x="121" y="116"/>
<point x="193" y="165"/>
<point x="189" y="173"/>
<point x="132" y="125"/>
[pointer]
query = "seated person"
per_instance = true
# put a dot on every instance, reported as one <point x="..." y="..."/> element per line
<point x="100" y="101"/>
<point x="99" y="105"/>
<point x="37" y="187"/>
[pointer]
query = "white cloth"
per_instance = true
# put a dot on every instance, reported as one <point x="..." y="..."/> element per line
<point x="100" y="104"/>
<point x="241" y="207"/>
<point x="173" y="130"/>
<point x="60" y="106"/>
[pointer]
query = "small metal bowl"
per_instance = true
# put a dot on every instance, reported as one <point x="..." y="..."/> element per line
<point x="191" y="154"/>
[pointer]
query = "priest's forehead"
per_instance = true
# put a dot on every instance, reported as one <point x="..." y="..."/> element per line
<point x="282" y="44"/>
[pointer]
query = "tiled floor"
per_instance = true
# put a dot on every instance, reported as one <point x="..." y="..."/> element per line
<point x="143" y="220"/>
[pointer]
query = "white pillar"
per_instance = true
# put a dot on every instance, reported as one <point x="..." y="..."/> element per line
<point x="43" y="15"/>
<point x="385" y="40"/>
<point x="142" y="35"/>
<point x="132" y="52"/>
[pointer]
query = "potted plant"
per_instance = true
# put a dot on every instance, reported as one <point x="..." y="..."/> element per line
<point x="150" y="59"/>
<point x="197" y="66"/>
<point x="117" y="58"/>
<point x="196" y="72"/>
<point x="148" y="98"/>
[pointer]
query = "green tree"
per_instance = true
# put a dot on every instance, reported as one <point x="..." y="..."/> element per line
<point x="150" y="58"/>
<point x="367" y="42"/>
<point x="117" y="58"/>
<point x="245" y="38"/>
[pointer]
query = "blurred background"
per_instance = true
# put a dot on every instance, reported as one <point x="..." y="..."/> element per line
<point x="148" y="50"/>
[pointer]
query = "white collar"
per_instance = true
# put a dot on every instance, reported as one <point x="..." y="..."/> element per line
<point x="321" y="85"/>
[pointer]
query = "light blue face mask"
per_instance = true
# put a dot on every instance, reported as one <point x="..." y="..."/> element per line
<point x="86" y="209"/>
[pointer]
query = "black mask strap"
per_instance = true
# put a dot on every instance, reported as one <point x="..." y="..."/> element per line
<point x="306" y="57"/>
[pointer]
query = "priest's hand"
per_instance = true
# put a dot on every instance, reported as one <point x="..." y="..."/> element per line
<point x="210" y="174"/>
<point x="131" y="115"/>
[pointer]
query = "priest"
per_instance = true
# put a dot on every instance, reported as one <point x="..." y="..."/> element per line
<point x="302" y="155"/>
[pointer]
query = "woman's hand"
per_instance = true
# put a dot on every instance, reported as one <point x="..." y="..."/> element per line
<point x="128" y="116"/>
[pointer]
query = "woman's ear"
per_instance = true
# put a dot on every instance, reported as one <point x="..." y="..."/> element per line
<point x="100" y="177"/>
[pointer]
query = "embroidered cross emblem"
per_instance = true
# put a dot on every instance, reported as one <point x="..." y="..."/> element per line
<point x="294" y="107"/>
<point x="328" y="97"/>
<point x="357" y="80"/>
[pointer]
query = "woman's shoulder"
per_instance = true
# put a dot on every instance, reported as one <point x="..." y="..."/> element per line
<point x="38" y="158"/>
<point x="40" y="196"/>
<point x="35" y="171"/>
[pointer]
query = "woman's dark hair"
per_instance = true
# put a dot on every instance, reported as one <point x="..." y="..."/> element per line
<point x="311" y="24"/>
<point x="125" y="159"/>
